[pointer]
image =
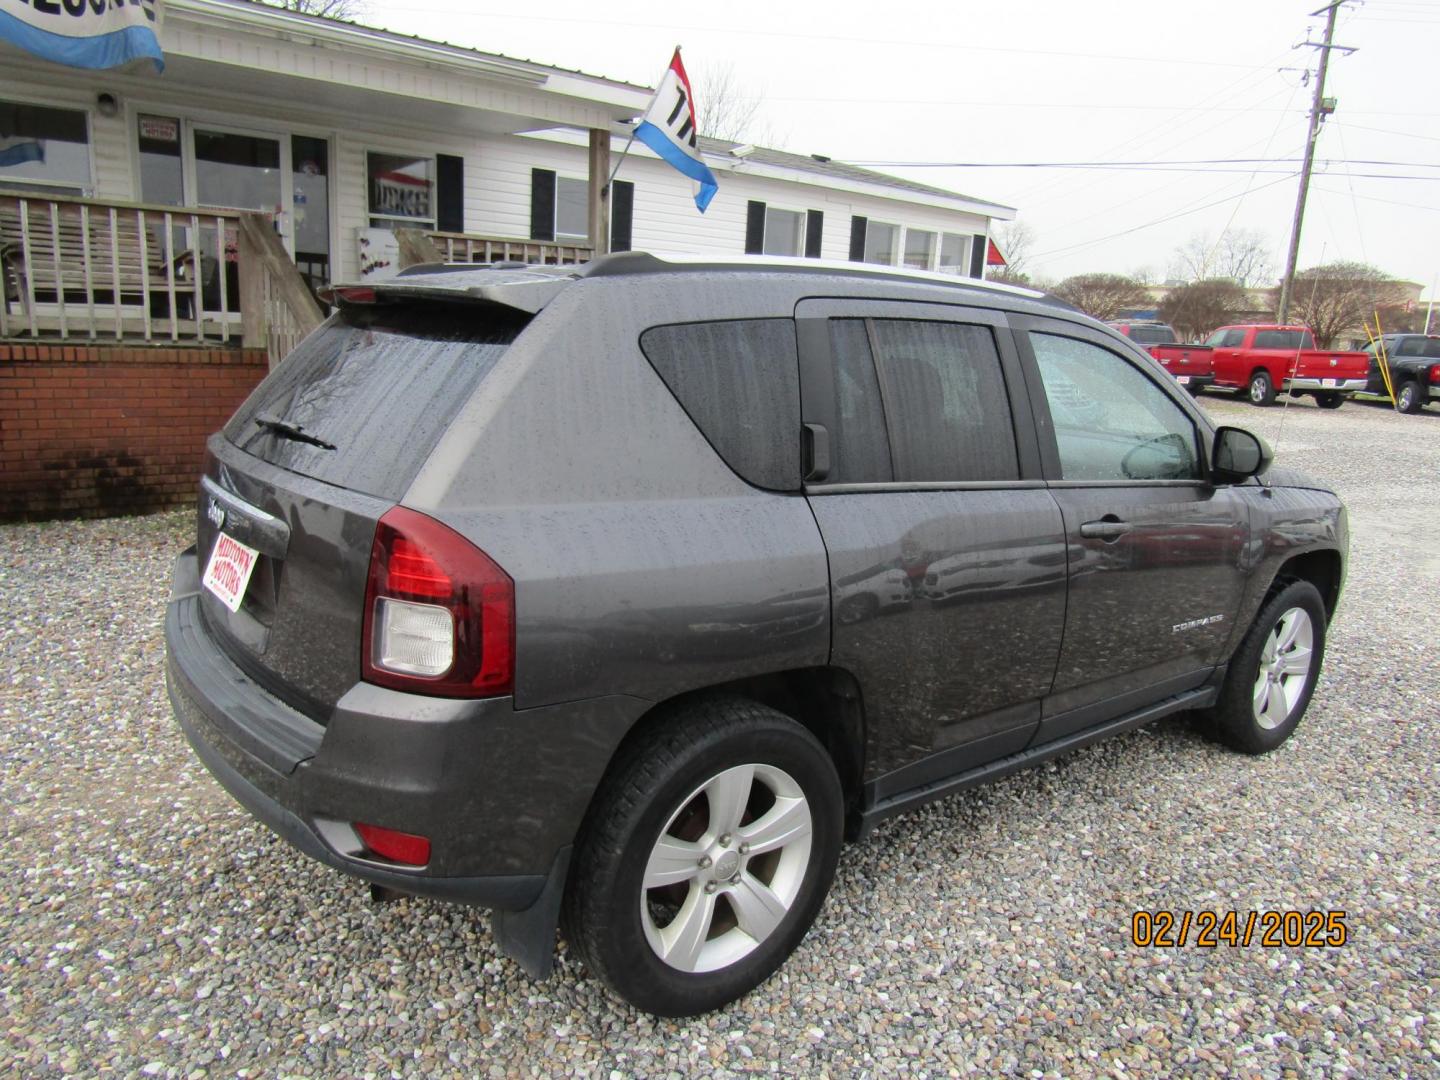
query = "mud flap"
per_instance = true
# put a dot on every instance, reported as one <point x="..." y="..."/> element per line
<point x="528" y="937"/>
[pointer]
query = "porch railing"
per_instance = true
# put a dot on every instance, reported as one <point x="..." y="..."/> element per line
<point x="475" y="248"/>
<point x="90" y="270"/>
<point x="86" y="269"/>
<point x="93" y="270"/>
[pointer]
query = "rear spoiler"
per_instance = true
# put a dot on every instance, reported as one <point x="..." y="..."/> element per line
<point x="525" y="289"/>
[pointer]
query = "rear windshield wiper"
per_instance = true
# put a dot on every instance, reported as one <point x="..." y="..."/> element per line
<point x="287" y="430"/>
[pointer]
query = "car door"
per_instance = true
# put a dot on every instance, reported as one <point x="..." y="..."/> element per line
<point x="1158" y="554"/>
<point x="947" y="554"/>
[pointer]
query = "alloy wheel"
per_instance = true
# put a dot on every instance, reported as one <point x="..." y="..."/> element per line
<point x="726" y="869"/>
<point x="1285" y="665"/>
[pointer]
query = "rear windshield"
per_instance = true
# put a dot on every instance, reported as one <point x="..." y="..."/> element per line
<point x="1152" y="335"/>
<point x="377" y="383"/>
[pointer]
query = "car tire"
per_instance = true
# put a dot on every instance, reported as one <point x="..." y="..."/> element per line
<point x="1329" y="400"/>
<point x="1261" y="390"/>
<point x="1408" y="398"/>
<point x="666" y="881"/>
<point x="1273" y="672"/>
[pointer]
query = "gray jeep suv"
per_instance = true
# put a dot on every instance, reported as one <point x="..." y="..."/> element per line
<point x="618" y="595"/>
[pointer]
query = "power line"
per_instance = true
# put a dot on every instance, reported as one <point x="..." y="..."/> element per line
<point x="1159" y="221"/>
<point x="1137" y="164"/>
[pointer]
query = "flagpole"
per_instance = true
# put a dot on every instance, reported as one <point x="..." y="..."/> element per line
<point x="605" y="193"/>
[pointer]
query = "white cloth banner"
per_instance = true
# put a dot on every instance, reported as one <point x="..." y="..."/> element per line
<point x="84" y="33"/>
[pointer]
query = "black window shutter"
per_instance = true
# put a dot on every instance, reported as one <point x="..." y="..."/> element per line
<point x="977" y="256"/>
<point x="755" y="228"/>
<point x="814" y="230"/>
<point x="449" y="193"/>
<point x="622" y="214"/>
<point x="857" y="238"/>
<point x="542" y="204"/>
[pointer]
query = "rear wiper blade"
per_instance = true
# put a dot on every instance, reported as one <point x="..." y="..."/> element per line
<point x="287" y="430"/>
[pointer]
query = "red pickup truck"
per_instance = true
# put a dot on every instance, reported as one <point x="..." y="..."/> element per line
<point x="1190" y="364"/>
<point x="1264" y="359"/>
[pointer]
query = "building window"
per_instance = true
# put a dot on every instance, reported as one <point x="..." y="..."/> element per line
<point x="881" y="243"/>
<point x="919" y="248"/>
<point x="572" y="208"/>
<point x="784" y="232"/>
<point x="954" y="253"/>
<point x="41" y="146"/>
<point x="401" y="190"/>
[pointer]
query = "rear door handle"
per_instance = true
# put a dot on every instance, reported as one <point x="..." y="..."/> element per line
<point x="817" y="452"/>
<point x="1107" y="528"/>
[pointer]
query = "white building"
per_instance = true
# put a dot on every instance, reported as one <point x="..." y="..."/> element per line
<point x="334" y="129"/>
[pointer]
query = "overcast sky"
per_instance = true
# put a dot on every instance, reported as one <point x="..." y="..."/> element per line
<point x="1042" y="81"/>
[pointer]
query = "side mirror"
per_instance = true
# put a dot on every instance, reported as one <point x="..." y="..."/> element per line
<point x="1238" y="455"/>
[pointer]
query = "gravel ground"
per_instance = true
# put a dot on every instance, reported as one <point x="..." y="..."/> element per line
<point x="151" y="928"/>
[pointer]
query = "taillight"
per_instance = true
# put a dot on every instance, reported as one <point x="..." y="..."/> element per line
<point x="439" y="613"/>
<point x="1435" y="373"/>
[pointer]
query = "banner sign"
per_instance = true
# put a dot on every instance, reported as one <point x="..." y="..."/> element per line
<point x="84" y="33"/>
<point x="669" y="129"/>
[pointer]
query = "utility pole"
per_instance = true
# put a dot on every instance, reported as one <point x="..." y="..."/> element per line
<point x="1320" y="108"/>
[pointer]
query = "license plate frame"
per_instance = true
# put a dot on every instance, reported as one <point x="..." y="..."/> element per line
<point x="229" y="569"/>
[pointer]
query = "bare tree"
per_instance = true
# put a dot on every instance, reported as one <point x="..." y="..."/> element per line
<point x="725" y="111"/>
<point x="1196" y="309"/>
<point x="1242" y="255"/>
<point x="326" y="9"/>
<point x="1015" y="239"/>
<point x="1103" y="296"/>
<point x="1341" y="296"/>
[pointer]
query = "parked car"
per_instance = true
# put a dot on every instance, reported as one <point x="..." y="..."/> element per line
<point x="1262" y="359"/>
<point x="535" y="588"/>
<point x="1414" y="369"/>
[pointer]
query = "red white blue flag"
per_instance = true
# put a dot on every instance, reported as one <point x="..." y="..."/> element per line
<point x="668" y="128"/>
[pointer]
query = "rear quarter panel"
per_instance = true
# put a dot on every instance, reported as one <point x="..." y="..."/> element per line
<point x="642" y="565"/>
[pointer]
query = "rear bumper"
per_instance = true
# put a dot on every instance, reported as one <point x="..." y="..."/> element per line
<point x="1195" y="382"/>
<point x="499" y="792"/>
<point x="1342" y="386"/>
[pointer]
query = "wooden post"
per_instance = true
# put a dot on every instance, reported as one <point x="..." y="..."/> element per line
<point x="416" y="248"/>
<point x="599" y="191"/>
<point x="254" y="321"/>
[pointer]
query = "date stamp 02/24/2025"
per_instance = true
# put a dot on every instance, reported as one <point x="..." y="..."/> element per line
<point x="1236" y="929"/>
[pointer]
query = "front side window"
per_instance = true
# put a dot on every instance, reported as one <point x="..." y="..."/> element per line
<point x="44" y="147"/>
<point x="784" y="232"/>
<point x="881" y="243"/>
<point x="1226" y="339"/>
<point x="401" y="190"/>
<point x="919" y="248"/>
<point x="1111" y="421"/>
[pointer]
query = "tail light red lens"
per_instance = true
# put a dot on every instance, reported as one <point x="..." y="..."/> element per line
<point x="433" y="597"/>
<point x="396" y="846"/>
<point x="1435" y="373"/>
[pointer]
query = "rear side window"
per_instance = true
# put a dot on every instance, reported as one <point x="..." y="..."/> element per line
<point x="1419" y="346"/>
<point x="930" y="392"/>
<point x="1282" y="339"/>
<point x="739" y="381"/>
<point x="380" y="384"/>
<point x="949" y="416"/>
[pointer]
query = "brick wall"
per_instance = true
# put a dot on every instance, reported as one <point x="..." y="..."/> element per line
<point x="93" y="431"/>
